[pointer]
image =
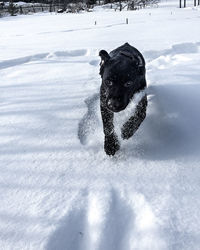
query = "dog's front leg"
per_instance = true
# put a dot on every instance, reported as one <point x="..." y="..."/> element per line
<point x="111" y="143"/>
<point x="131" y="126"/>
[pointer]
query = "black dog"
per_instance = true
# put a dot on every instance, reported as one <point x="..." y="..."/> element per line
<point x="123" y="75"/>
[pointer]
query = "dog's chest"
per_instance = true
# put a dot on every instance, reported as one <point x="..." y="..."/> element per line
<point x="123" y="116"/>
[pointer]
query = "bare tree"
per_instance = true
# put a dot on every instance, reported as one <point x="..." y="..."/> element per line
<point x="12" y="9"/>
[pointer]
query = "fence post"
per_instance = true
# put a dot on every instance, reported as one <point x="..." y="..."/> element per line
<point x="20" y="10"/>
<point x="184" y="3"/>
<point x="126" y="20"/>
<point x="180" y="3"/>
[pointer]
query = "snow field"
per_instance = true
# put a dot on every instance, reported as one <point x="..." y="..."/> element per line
<point x="58" y="188"/>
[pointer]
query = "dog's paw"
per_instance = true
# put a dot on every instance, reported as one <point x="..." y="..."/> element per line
<point x="126" y="132"/>
<point x="111" y="144"/>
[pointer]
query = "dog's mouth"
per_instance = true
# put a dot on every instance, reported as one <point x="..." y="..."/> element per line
<point x="115" y="110"/>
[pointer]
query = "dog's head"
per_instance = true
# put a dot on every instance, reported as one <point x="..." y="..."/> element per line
<point x="121" y="76"/>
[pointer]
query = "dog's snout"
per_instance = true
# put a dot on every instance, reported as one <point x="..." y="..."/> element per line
<point x="118" y="99"/>
<point x="115" y="103"/>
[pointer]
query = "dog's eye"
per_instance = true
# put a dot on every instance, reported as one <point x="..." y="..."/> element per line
<point x="128" y="84"/>
<point x="109" y="83"/>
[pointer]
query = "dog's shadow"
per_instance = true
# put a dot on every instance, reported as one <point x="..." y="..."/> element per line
<point x="170" y="130"/>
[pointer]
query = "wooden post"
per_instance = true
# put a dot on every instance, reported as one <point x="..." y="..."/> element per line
<point x="126" y="20"/>
<point x="180" y="3"/>
<point x="120" y="5"/>
<point x="184" y="3"/>
<point x="195" y="3"/>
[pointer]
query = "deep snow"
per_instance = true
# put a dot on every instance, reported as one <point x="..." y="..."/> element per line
<point x="58" y="188"/>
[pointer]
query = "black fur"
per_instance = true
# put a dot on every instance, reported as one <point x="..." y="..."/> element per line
<point x="123" y="74"/>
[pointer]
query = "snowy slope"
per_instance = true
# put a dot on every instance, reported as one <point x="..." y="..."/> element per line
<point x="59" y="191"/>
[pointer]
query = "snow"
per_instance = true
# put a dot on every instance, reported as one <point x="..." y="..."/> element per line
<point x="58" y="188"/>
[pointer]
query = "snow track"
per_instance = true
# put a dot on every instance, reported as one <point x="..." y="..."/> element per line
<point x="111" y="221"/>
<point x="28" y="59"/>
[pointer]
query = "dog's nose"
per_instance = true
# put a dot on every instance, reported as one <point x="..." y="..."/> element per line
<point x="115" y="103"/>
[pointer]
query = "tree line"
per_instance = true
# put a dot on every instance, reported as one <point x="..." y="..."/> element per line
<point x="72" y="6"/>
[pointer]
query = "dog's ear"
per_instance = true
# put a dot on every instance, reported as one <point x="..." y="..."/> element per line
<point x="104" y="58"/>
<point x="140" y="65"/>
<point x="141" y="70"/>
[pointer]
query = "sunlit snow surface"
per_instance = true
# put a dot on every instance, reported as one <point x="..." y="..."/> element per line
<point x="58" y="189"/>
